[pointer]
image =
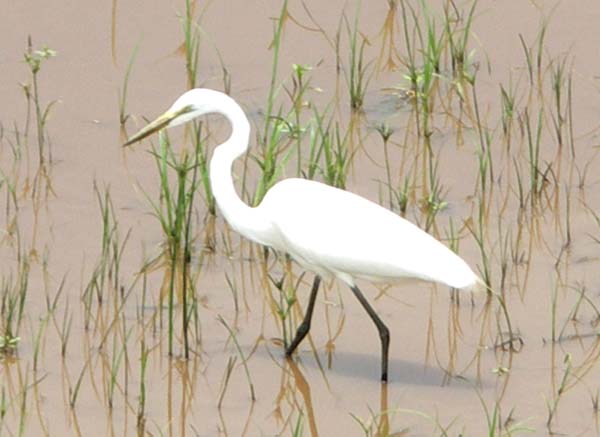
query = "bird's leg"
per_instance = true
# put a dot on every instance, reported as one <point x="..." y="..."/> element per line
<point x="305" y="325"/>
<point x="384" y="332"/>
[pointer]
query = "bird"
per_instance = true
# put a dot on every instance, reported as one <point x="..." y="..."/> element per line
<point x="328" y="231"/>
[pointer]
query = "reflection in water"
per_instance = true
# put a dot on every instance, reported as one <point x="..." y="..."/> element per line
<point x="383" y="427"/>
<point x="499" y="165"/>
<point x="388" y="58"/>
<point x="301" y="385"/>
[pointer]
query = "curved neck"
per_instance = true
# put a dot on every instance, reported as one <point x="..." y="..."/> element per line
<point x="241" y="217"/>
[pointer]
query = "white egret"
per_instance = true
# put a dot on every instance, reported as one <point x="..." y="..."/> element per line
<point x="329" y="231"/>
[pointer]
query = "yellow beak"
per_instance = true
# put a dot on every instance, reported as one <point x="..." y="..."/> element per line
<point x="158" y="124"/>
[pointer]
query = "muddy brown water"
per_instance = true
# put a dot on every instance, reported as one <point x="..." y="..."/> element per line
<point x="446" y="373"/>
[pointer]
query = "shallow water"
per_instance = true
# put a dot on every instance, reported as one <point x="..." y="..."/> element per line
<point x="447" y="373"/>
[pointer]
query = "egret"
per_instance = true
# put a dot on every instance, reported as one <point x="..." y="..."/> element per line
<point x="329" y="231"/>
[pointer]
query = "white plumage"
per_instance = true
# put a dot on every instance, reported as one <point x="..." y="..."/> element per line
<point x="327" y="230"/>
<point x="333" y="231"/>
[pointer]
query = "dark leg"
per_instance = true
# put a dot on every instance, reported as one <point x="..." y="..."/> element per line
<point x="305" y="325"/>
<point x="384" y="332"/>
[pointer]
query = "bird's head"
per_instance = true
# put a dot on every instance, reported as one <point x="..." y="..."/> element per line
<point x="188" y="106"/>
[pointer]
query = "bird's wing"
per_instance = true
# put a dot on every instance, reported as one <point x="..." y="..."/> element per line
<point x="342" y="232"/>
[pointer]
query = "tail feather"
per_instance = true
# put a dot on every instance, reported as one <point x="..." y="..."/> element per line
<point x="476" y="286"/>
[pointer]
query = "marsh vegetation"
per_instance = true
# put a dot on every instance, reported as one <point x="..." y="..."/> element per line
<point x="127" y="305"/>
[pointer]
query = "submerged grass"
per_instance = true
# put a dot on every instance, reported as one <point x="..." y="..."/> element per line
<point x="174" y="212"/>
<point x="191" y="44"/>
<point x="35" y="60"/>
<point x="242" y="358"/>
<point x="517" y="142"/>
<point x="123" y="116"/>
<point x="273" y="134"/>
<point x="13" y="296"/>
<point x="358" y="75"/>
<point x="104" y="282"/>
